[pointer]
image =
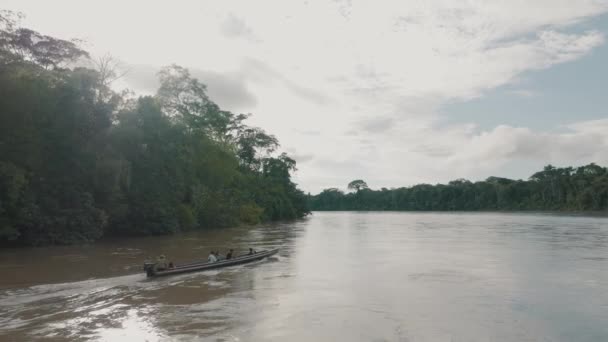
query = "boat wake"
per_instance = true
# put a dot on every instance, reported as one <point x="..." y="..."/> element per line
<point x="98" y="308"/>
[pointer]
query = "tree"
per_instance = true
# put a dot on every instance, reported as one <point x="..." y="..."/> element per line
<point x="553" y="188"/>
<point x="22" y="44"/>
<point x="251" y="141"/>
<point x="79" y="161"/>
<point x="357" y="185"/>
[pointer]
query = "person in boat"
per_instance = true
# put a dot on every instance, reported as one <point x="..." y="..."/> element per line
<point x="251" y="251"/>
<point x="161" y="263"/>
<point x="212" y="257"/>
<point x="229" y="255"/>
<point x="219" y="256"/>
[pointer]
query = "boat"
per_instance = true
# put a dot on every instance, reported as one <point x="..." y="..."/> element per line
<point x="205" y="265"/>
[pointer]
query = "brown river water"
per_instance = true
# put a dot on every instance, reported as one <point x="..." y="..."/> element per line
<point x="337" y="277"/>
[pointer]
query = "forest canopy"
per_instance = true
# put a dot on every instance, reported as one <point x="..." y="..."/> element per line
<point x="79" y="161"/>
<point x="569" y="189"/>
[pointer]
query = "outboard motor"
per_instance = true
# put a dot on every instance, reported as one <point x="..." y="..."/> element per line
<point x="149" y="268"/>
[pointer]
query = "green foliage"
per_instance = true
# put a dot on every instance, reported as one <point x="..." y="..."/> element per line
<point x="573" y="189"/>
<point x="79" y="161"/>
<point x="357" y="185"/>
<point x="19" y="44"/>
<point x="250" y="213"/>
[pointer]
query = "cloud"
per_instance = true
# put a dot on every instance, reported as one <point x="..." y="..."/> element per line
<point x="303" y="158"/>
<point x="308" y="132"/>
<point x="234" y="27"/>
<point x="505" y="143"/>
<point x="228" y="89"/>
<point x="341" y="163"/>
<point x="469" y="153"/>
<point x="526" y="93"/>
<point x="344" y="7"/>
<point x="306" y="93"/>
<point x="595" y="127"/>
<point x="432" y="151"/>
<point x="370" y="80"/>
<point x="377" y="125"/>
<point x="260" y="72"/>
<point x="300" y="158"/>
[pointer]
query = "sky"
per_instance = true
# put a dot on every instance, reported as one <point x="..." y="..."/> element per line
<point x="392" y="92"/>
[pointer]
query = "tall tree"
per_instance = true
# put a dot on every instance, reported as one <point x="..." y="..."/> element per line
<point x="357" y="185"/>
<point x="18" y="44"/>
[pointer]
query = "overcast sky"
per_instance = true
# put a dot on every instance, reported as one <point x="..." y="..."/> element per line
<point x="392" y="92"/>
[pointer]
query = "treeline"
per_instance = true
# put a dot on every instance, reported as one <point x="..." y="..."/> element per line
<point x="79" y="161"/>
<point x="570" y="189"/>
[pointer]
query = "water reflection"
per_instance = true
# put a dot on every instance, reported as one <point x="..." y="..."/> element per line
<point x="338" y="276"/>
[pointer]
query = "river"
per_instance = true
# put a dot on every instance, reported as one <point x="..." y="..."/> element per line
<point x="338" y="277"/>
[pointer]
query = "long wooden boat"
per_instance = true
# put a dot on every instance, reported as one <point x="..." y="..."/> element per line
<point x="205" y="265"/>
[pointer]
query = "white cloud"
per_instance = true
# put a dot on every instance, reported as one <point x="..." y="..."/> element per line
<point x="234" y="27"/>
<point x="584" y="142"/>
<point x="380" y="69"/>
<point x="229" y="89"/>
<point x="526" y="93"/>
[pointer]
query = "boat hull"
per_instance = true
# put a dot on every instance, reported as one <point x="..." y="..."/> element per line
<point x="204" y="266"/>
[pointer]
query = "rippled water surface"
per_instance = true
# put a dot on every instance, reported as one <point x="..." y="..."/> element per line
<point x="337" y="277"/>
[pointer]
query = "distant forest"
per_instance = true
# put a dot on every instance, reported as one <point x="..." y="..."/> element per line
<point x="561" y="189"/>
<point x="79" y="161"/>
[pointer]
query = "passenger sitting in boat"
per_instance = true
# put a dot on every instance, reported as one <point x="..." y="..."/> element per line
<point x="219" y="256"/>
<point x="212" y="257"/>
<point x="251" y="251"/>
<point x="229" y="255"/>
<point x="161" y="263"/>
